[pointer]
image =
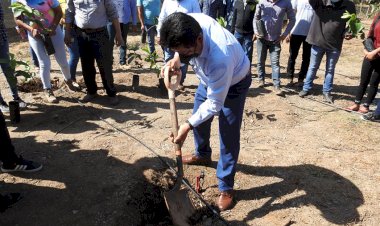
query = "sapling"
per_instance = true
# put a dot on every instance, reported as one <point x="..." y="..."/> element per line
<point x="19" y="67"/>
<point x="354" y="25"/>
<point x="37" y="21"/>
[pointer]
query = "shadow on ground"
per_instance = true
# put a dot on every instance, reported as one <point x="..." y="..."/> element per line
<point x="83" y="187"/>
<point x="337" y="198"/>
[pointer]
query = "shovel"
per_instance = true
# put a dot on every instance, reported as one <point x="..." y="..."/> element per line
<point x="177" y="199"/>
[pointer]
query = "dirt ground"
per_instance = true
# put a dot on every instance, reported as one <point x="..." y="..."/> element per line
<point x="302" y="162"/>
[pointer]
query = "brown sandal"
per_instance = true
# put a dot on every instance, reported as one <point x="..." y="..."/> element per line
<point x="354" y="107"/>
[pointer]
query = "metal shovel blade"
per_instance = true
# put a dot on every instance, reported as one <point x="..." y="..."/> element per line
<point x="179" y="206"/>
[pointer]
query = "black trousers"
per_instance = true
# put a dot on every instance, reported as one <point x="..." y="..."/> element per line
<point x="295" y="45"/>
<point x="96" y="46"/>
<point x="7" y="151"/>
<point x="370" y="74"/>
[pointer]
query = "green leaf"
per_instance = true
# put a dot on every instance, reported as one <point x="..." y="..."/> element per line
<point x="24" y="74"/>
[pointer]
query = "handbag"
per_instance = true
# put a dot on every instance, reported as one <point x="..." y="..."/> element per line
<point x="368" y="42"/>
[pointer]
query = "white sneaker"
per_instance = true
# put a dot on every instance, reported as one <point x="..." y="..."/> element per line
<point x="50" y="96"/>
<point x="4" y="107"/>
<point x="72" y="85"/>
<point x="21" y="103"/>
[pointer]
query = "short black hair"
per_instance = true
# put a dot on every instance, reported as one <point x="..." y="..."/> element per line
<point x="179" y="29"/>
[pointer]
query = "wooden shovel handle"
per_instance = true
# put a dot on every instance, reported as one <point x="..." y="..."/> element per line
<point x="174" y="119"/>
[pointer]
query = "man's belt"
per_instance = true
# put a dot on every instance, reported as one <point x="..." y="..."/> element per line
<point x="90" y="30"/>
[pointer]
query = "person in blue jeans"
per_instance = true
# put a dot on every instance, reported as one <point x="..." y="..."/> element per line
<point x="126" y="9"/>
<point x="148" y="12"/>
<point x="222" y="68"/>
<point x="242" y="27"/>
<point x="326" y="35"/>
<point x="271" y="15"/>
<point x="73" y="54"/>
<point x="72" y="47"/>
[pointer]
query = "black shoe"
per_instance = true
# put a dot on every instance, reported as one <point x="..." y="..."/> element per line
<point x="328" y="98"/>
<point x="371" y="117"/>
<point x="303" y="93"/>
<point x="21" y="165"/>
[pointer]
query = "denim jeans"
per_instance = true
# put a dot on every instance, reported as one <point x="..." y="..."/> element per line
<point x="230" y="118"/>
<point x="34" y="57"/>
<point x="44" y="59"/>
<point x="151" y="33"/>
<point x="124" y="32"/>
<point x="168" y="55"/>
<point x="332" y="57"/>
<point x="96" y="46"/>
<point x="295" y="44"/>
<point x="377" y="111"/>
<point x="73" y="54"/>
<point x="246" y="42"/>
<point x="274" y="52"/>
<point x="8" y="71"/>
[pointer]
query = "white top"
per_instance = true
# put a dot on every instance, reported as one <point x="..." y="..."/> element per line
<point x="172" y="6"/>
<point x="221" y="65"/>
<point x="304" y="16"/>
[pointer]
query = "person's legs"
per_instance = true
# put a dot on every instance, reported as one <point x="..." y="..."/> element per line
<point x="315" y="61"/>
<point x="230" y="119"/>
<point x="33" y="56"/>
<point x="274" y="54"/>
<point x="294" y="47"/>
<point x="123" y="49"/>
<point x="8" y="71"/>
<point x="151" y="33"/>
<point x="43" y="59"/>
<point x="365" y="77"/>
<point x="262" y="49"/>
<point x="373" y="84"/>
<point x="202" y="132"/>
<point x="101" y="46"/>
<point x="111" y="35"/>
<point x="332" y="57"/>
<point x="73" y="54"/>
<point x="240" y="38"/>
<point x="377" y="111"/>
<point x="60" y="53"/>
<point x="87" y="57"/>
<point x="306" y="48"/>
<point x="7" y="151"/>
<point x="248" y="45"/>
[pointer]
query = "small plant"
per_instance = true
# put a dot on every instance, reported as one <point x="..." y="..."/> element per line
<point x="133" y="55"/>
<point x="222" y="21"/>
<point x="33" y="15"/>
<point x="355" y="27"/>
<point x="151" y="59"/>
<point x="19" y="67"/>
